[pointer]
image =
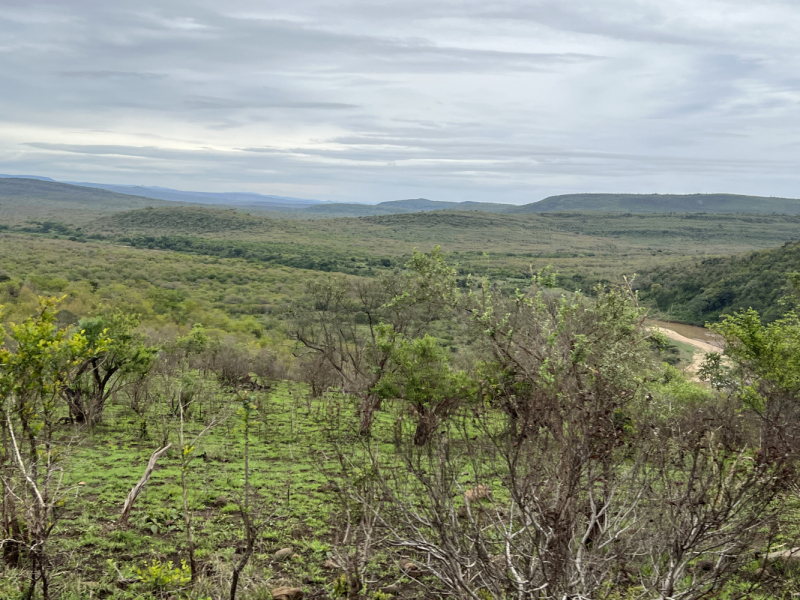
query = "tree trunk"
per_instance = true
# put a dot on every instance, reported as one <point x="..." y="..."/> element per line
<point x="426" y="423"/>
<point x="188" y="521"/>
<point x="353" y="586"/>
<point x="366" y="412"/>
<point x="245" y="557"/>
<point x="77" y="411"/>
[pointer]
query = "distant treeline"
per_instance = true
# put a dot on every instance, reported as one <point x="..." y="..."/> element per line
<point x="272" y="253"/>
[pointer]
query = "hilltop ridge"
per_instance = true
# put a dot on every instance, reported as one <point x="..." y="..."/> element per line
<point x="663" y="203"/>
<point x="120" y="197"/>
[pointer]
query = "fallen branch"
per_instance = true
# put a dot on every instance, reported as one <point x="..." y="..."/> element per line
<point x="136" y="490"/>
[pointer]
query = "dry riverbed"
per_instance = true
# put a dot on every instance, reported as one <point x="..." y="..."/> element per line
<point x="703" y="340"/>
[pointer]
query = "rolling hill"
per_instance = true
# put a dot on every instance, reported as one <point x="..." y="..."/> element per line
<point x="36" y="199"/>
<point x="606" y="203"/>
<point x="244" y="199"/>
<point x="125" y="197"/>
<point x="15" y="190"/>
<point x="398" y="207"/>
<point x="663" y="203"/>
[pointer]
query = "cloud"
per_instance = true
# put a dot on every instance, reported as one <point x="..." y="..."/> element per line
<point x="110" y="74"/>
<point x="226" y="104"/>
<point x="354" y="100"/>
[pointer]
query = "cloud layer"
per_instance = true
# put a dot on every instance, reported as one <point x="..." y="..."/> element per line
<point x="358" y="100"/>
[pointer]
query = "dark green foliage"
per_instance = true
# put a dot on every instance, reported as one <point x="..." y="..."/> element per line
<point x="189" y="219"/>
<point x="268" y="253"/>
<point x="704" y="291"/>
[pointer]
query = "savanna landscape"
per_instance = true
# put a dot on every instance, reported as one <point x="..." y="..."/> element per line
<point x="208" y="401"/>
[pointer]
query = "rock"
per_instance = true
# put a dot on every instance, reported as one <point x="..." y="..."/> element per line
<point x="762" y="573"/>
<point x="221" y="501"/>
<point x="283" y="554"/>
<point x="478" y="493"/>
<point x="408" y="566"/>
<point x="391" y="589"/>
<point x="331" y="565"/>
<point x="81" y="483"/>
<point x="287" y="593"/>
<point x="787" y="556"/>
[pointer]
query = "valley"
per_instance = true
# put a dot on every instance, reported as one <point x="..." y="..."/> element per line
<point x="297" y="379"/>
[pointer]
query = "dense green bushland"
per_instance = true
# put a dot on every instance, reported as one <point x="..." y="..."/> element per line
<point x="552" y="455"/>
<point x="704" y="291"/>
<point x="169" y="291"/>
<point x="586" y="248"/>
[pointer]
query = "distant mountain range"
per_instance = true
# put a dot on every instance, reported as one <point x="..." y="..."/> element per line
<point x="34" y="186"/>
<point x="621" y="203"/>
<point x="30" y="192"/>
<point x="394" y="207"/>
<point x="219" y="198"/>
<point x="243" y="199"/>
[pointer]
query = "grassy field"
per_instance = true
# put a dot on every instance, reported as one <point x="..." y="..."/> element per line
<point x="295" y="474"/>
<point x="293" y="469"/>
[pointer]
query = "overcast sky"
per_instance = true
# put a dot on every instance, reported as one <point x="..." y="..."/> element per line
<point x="364" y="100"/>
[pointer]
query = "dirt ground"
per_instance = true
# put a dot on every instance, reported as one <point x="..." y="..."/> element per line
<point x="698" y="358"/>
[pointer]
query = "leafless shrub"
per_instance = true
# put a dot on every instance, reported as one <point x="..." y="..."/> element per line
<point x="594" y="492"/>
<point x="317" y="372"/>
<point x="339" y="324"/>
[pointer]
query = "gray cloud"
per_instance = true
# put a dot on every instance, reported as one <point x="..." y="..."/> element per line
<point x="110" y="74"/>
<point x="354" y="100"/>
<point x="225" y="104"/>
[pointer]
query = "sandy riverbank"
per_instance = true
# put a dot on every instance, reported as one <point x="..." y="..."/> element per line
<point x="698" y="357"/>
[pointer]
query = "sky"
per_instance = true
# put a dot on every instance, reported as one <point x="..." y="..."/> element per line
<point x="367" y="101"/>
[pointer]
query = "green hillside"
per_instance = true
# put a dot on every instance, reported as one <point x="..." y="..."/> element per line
<point x="13" y="190"/>
<point x="26" y="199"/>
<point x="346" y="209"/>
<point x="663" y="203"/>
<point x="703" y="291"/>
<point x="182" y="219"/>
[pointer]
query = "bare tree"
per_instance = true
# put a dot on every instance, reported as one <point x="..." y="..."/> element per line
<point x="562" y="479"/>
<point x="356" y="529"/>
<point x="40" y="495"/>
<point x="340" y="324"/>
<point x="187" y="455"/>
